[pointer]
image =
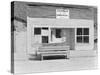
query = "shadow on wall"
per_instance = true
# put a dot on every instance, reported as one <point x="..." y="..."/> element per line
<point x="18" y="24"/>
<point x="18" y="35"/>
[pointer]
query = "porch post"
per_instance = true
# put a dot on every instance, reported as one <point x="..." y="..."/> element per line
<point x="49" y="34"/>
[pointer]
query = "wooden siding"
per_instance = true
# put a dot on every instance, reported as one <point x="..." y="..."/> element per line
<point x="22" y="10"/>
<point x="50" y="12"/>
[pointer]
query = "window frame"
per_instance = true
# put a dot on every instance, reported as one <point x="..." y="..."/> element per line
<point x="47" y="39"/>
<point x="82" y="35"/>
<point x="38" y="32"/>
<point x="56" y="33"/>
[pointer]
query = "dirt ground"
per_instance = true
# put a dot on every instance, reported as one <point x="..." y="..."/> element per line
<point x="79" y="63"/>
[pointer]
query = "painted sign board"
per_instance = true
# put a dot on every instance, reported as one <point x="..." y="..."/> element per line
<point x="62" y="13"/>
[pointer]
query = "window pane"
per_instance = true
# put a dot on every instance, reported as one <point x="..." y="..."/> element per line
<point x="79" y="31"/>
<point x="45" y="28"/>
<point x="79" y="39"/>
<point x="86" y="39"/>
<point x="58" y="33"/>
<point x="86" y="31"/>
<point x="37" y="31"/>
<point x="44" y="39"/>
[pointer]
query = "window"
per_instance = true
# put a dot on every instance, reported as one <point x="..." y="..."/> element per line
<point x="86" y="39"/>
<point x="79" y="39"/>
<point x="45" y="28"/>
<point x="37" y="31"/>
<point x="58" y="33"/>
<point x="86" y="31"/>
<point x="82" y="35"/>
<point x="44" y="39"/>
<point x="79" y="31"/>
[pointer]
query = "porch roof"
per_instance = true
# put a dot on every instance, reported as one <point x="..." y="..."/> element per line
<point x="62" y="23"/>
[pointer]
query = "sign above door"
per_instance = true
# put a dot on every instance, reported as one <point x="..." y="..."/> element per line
<point x="62" y="13"/>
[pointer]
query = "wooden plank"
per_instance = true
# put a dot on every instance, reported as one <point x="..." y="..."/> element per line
<point x="42" y="55"/>
<point x="53" y="48"/>
<point x="53" y="51"/>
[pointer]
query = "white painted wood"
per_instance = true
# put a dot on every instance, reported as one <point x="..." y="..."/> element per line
<point x="62" y="23"/>
<point x="62" y="13"/>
